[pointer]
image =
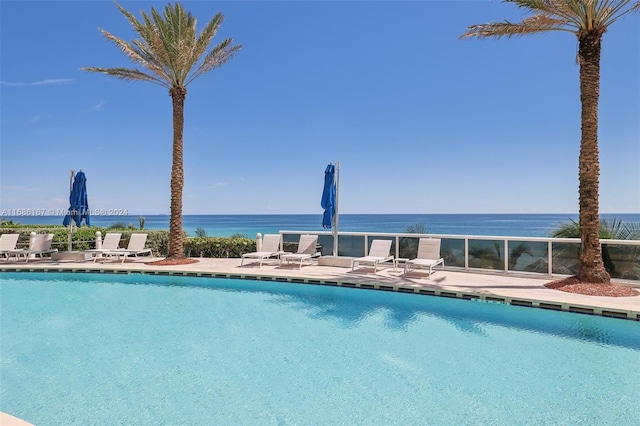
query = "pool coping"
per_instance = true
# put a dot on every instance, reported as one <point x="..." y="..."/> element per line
<point x="522" y="291"/>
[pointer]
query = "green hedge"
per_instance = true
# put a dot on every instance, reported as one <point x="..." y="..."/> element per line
<point x="218" y="247"/>
<point x="157" y="240"/>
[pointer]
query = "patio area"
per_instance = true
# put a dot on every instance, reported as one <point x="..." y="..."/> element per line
<point x="512" y="289"/>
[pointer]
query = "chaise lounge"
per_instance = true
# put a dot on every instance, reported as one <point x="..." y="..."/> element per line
<point x="306" y="251"/>
<point x="270" y="248"/>
<point x="39" y="246"/>
<point x="134" y="248"/>
<point x="428" y="256"/>
<point x="110" y="242"/>
<point x="379" y="252"/>
<point x="8" y="243"/>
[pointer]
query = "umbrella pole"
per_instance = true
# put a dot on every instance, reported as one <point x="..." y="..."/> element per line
<point x="335" y="213"/>
<point x="69" y="248"/>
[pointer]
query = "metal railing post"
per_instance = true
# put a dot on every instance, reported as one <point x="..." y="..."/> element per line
<point x="506" y="256"/>
<point x="466" y="253"/>
<point x="550" y="258"/>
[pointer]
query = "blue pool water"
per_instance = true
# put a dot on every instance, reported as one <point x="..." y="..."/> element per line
<point x="82" y="349"/>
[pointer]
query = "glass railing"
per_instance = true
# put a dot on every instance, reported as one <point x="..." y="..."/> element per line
<point x="516" y="255"/>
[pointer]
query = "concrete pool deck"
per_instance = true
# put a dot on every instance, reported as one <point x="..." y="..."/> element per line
<point x="513" y="289"/>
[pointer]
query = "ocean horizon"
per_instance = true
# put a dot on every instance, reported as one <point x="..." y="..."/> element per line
<point x="502" y="224"/>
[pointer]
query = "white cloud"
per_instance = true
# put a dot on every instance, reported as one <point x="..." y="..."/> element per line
<point x="97" y="107"/>
<point x="47" y="82"/>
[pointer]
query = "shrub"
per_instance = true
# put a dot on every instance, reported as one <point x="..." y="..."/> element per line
<point x="218" y="247"/>
<point x="157" y="240"/>
<point x="201" y="232"/>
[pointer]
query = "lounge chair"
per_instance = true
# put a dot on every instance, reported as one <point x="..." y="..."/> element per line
<point x="39" y="246"/>
<point x="134" y="248"/>
<point x="110" y="242"/>
<point x="379" y="252"/>
<point x="270" y="248"/>
<point x="306" y="251"/>
<point x="8" y="243"/>
<point x="428" y="256"/>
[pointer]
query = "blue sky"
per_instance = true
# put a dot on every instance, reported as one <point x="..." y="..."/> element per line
<point x="420" y="121"/>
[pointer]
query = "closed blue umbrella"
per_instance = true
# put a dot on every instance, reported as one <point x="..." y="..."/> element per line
<point x="328" y="202"/>
<point x="78" y="204"/>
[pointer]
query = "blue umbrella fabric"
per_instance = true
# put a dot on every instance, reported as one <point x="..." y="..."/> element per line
<point x="78" y="204"/>
<point x="328" y="202"/>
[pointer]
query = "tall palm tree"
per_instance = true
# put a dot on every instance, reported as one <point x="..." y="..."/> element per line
<point x="588" y="20"/>
<point x="173" y="55"/>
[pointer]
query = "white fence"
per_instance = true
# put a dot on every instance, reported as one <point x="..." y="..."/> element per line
<point x="479" y="253"/>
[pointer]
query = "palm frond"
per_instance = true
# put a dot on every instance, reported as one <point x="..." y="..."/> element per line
<point x="610" y="229"/>
<point x="612" y="10"/>
<point x="206" y="35"/>
<point x="177" y="30"/>
<point x="535" y="24"/>
<point x="126" y="74"/>
<point x="218" y="56"/>
<point x="570" y="229"/>
<point x="416" y="228"/>
<point x="169" y="47"/>
<point x="562" y="9"/>
<point x="557" y="15"/>
<point x="147" y="49"/>
<point x="630" y="231"/>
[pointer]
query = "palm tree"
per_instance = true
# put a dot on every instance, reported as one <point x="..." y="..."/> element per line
<point x="174" y="55"/>
<point x="588" y="20"/>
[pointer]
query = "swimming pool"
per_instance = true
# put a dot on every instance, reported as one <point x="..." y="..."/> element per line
<point x="136" y="349"/>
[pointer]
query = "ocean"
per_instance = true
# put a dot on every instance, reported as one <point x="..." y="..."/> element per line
<point x="516" y="225"/>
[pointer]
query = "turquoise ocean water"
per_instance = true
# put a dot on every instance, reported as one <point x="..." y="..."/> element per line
<point x="520" y="225"/>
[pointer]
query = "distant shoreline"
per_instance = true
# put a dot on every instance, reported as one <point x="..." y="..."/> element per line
<point x="503" y="224"/>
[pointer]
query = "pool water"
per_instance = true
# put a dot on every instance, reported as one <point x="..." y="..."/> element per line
<point x="80" y="349"/>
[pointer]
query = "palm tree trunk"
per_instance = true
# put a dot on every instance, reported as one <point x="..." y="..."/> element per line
<point x="176" y="250"/>
<point x="590" y="266"/>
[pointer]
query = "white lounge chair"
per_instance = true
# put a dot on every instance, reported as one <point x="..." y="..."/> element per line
<point x="134" y="248"/>
<point x="270" y="248"/>
<point x="379" y="252"/>
<point x="8" y="243"/>
<point x="38" y="246"/>
<point x="428" y="256"/>
<point x="306" y="251"/>
<point x="110" y="242"/>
